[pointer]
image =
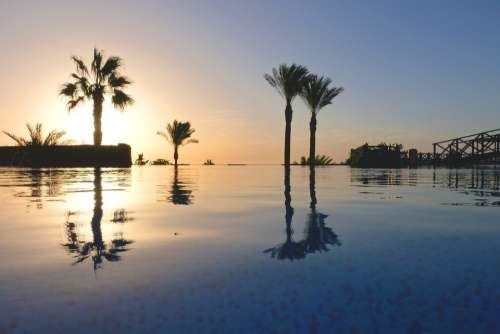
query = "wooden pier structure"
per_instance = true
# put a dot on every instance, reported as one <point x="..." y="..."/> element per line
<point x="483" y="147"/>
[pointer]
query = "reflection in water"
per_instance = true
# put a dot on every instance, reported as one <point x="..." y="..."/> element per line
<point x="484" y="184"/>
<point x="43" y="183"/>
<point x="121" y="216"/>
<point x="180" y="191"/>
<point x="317" y="236"/>
<point x="97" y="249"/>
<point x="481" y="184"/>
<point x="290" y="249"/>
<point x="379" y="177"/>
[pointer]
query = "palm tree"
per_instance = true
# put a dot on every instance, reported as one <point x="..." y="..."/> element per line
<point x="288" y="81"/>
<point x="102" y="79"/>
<point x="317" y="94"/>
<point x="321" y="160"/>
<point x="178" y="134"/>
<point x="36" y="138"/>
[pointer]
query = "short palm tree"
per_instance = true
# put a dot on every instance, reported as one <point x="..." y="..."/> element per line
<point x="36" y="137"/>
<point x="288" y="80"/>
<point x="178" y="134"/>
<point x="103" y="78"/>
<point x="317" y="94"/>
<point x="320" y="160"/>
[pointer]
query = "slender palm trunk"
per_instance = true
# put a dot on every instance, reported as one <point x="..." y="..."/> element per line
<point x="176" y="154"/>
<point x="97" y="120"/>
<point x="312" y="188"/>
<point x="312" y="143"/>
<point x="288" y="131"/>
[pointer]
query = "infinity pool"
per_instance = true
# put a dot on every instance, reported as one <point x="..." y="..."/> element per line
<point x="244" y="249"/>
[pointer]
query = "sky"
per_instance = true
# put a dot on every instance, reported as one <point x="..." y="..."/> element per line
<point x="413" y="72"/>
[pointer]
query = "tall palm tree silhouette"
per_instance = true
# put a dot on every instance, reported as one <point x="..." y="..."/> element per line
<point x="290" y="249"/>
<point x="97" y="249"/>
<point x="317" y="94"/>
<point x="178" y="134"/>
<point x="288" y="80"/>
<point x="103" y="78"/>
<point x="317" y="235"/>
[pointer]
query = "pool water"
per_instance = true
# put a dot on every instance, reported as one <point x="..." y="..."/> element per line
<point x="249" y="249"/>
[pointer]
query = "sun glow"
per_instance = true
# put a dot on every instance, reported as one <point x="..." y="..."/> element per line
<point x="80" y="125"/>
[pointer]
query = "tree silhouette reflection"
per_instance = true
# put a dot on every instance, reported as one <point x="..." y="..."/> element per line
<point x="180" y="193"/>
<point x="290" y="249"/>
<point x="97" y="249"/>
<point x="317" y="236"/>
<point x="43" y="183"/>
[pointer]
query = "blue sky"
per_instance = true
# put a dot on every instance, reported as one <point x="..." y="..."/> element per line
<point x="413" y="72"/>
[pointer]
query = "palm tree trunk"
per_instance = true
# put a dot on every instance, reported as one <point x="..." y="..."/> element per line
<point x="312" y="188"/>
<point x="176" y="155"/>
<point x="288" y="131"/>
<point x="97" y="120"/>
<point x="312" y="143"/>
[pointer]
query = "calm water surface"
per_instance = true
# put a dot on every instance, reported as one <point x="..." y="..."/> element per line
<point x="240" y="250"/>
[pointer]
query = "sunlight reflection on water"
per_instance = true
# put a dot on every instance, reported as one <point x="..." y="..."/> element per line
<point x="240" y="249"/>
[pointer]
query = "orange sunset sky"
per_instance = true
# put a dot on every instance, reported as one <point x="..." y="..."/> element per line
<point x="204" y="62"/>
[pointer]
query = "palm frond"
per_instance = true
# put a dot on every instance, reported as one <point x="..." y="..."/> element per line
<point x="320" y="160"/>
<point x="163" y="134"/>
<point x="191" y="141"/>
<point x="35" y="133"/>
<point x="120" y="99"/>
<point x="330" y="95"/>
<point x="288" y="80"/>
<point x="317" y="94"/>
<point x="271" y="80"/>
<point x="119" y="81"/>
<point x="74" y="102"/>
<point x="69" y="89"/>
<point x="111" y="64"/>
<point x="96" y="64"/>
<point x="54" y="138"/>
<point x="81" y="68"/>
<point x="19" y="140"/>
<point x="84" y="86"/>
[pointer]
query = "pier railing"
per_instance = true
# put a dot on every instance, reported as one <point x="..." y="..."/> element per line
<point x="475" y="148"/>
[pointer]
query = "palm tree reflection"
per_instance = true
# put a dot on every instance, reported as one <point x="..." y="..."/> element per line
<point x="36" y="187"/>
<point x="43" y="183"/>
<point x="180" y="193"/>
<point x="290" y="249"/>
<point x="97" y="249"/>
<point x="317" y="236"/>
